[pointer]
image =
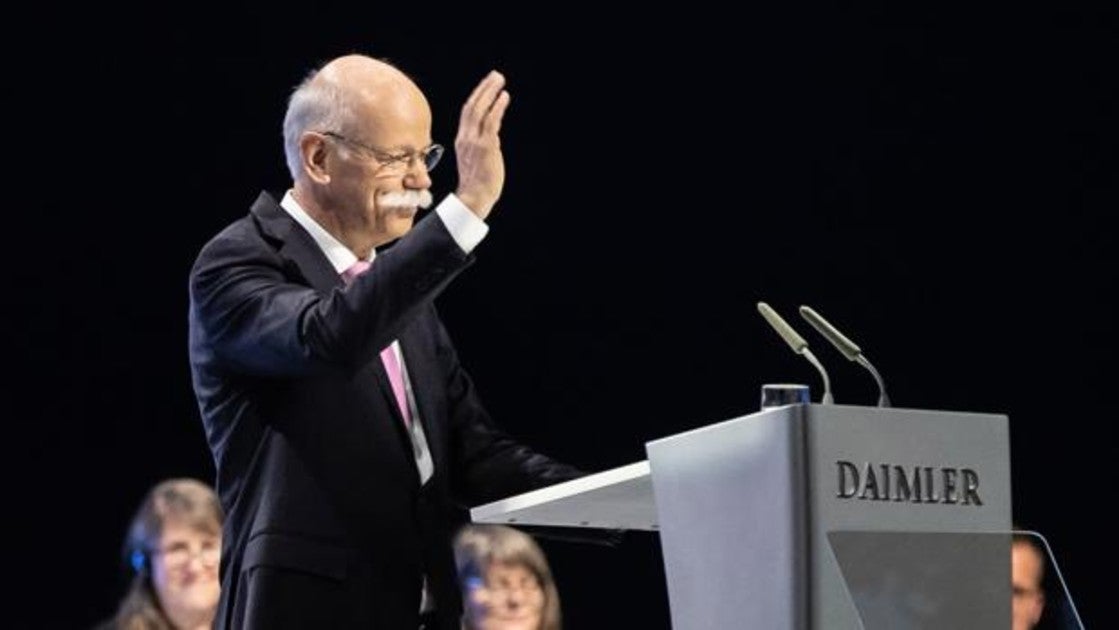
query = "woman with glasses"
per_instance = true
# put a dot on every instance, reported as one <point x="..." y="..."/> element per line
<point x="173" y="547"/>
<point x="505" y="580"/>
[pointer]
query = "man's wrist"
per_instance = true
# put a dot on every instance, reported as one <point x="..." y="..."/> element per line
<point x="464" y="225"/>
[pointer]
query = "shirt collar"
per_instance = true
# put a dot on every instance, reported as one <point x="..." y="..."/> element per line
<point x="340" y="256"/>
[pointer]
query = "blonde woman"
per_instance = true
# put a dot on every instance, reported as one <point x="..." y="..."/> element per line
<point x="505" y="580"/>
<point x="173" y="547"/>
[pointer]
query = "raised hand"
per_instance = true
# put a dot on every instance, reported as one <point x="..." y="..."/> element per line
<point x="481" y="167"/>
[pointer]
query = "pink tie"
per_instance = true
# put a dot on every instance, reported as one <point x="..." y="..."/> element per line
<point x="388" y="357"/>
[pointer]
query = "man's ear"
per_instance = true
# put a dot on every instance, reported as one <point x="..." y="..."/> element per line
<point x="312" y="147"/>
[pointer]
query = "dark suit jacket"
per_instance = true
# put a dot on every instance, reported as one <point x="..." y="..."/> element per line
<point x="326" y="522"/>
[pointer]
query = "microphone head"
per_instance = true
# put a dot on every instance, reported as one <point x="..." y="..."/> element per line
<point x="843" y="344"/>
<point x="795" y="341"/>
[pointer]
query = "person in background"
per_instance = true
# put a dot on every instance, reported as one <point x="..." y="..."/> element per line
<point x="1027" y="570"/>
<point x="173" y="547"/>
<point x="505" y="580"/>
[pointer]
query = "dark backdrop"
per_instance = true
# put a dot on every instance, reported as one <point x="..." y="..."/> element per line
<point x="935" y="181"/>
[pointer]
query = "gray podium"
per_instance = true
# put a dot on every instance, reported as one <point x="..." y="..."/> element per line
<point x="812" y="517"/>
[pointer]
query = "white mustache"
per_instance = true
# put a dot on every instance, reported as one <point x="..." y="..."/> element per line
<point x="406" y="199"/>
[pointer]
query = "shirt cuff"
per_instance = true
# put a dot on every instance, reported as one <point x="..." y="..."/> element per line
<point x="465" y="226"/>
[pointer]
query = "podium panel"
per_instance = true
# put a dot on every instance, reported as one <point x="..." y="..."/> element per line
<point x="745" y="506"/>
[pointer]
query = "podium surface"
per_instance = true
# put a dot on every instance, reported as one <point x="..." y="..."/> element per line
<point x="620" y="498"/>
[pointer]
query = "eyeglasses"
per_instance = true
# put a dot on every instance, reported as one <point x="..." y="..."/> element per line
<point x="401" y="161"/>
<point x="179" y="555"/>
<point x="526" y="586"/>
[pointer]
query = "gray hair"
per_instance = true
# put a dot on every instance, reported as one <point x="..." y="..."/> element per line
<point x="314" y="105"/>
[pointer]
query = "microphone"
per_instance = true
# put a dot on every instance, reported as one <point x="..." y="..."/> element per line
<point x="847" y="347"/>
<point x="798" y="344"/>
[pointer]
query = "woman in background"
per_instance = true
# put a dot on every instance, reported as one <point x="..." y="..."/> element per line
<point x="173" y="546"/>
<point x="505" y="580"/>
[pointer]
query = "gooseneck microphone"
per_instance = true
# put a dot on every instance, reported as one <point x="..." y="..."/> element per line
<point x="797" y="343"/>
<point x="847" y="347"/>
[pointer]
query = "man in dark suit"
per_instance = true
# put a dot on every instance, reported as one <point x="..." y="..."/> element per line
<point x="346" y="434"/>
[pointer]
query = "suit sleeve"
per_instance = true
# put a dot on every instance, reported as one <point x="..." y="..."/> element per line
<point x="253" y="312"/>
<point x="488" y="463"/>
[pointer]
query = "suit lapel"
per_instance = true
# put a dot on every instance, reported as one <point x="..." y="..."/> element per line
<point x="418" y="363"/>
<point x="375" y="370"/>
<point x="297" y="247"/>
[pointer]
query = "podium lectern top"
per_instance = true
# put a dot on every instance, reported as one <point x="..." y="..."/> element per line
<point x="620" y="498"/>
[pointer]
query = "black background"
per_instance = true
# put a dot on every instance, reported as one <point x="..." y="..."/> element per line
<point x="935" y="180"/>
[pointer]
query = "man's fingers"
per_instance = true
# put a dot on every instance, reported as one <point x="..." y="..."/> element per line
<point x="492" y="122"/>
<point x="491" y="87"/>
<point x="474" y="95"/>
<point x="481" y="102"/>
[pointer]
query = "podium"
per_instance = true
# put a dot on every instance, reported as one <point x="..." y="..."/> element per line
<point x="812" y="516"/>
